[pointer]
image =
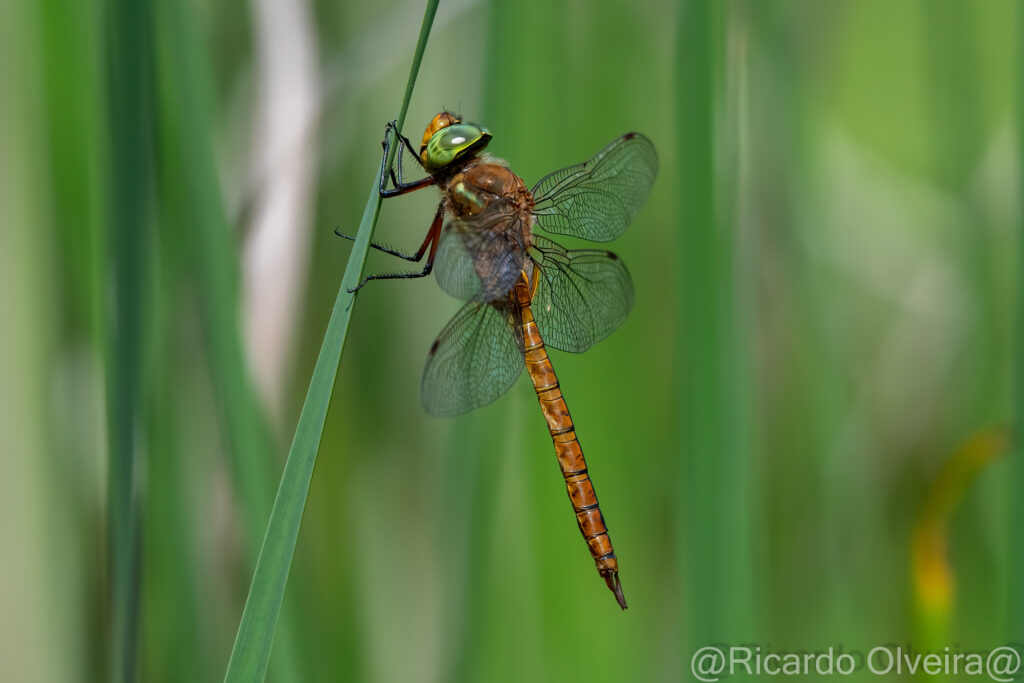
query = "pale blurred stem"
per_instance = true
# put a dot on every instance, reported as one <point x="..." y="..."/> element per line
<point x="254" y="640"/>
<point x="189" y="192"/>
<point x="284" y="147"/>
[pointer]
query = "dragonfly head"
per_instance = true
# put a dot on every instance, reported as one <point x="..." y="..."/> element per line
<point x="449" y="139"/>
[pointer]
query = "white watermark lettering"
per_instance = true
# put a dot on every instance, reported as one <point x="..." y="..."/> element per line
<point x="713" y="663"/>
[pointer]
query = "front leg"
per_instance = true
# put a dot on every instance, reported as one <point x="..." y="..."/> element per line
<point x="400" y="186"/>
<point x="408" y="145"/>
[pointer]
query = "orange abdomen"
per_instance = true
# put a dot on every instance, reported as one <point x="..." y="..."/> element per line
<point x="567" y="448"/>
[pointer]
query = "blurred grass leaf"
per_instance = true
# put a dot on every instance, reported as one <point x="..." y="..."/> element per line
<point x="713" y="448"/>
<point x="131" y="168"/>
<point x="934" y="577"/>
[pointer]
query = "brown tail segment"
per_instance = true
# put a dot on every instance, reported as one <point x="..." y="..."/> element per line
<point x="567" y="449"/>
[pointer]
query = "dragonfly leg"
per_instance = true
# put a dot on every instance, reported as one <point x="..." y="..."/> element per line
<point x="431" y="241"/>
<point x="400" y="186"/>
<point x="414" y="258"/>
<point x="405" y="140"/>
<point x="381" y="247"/>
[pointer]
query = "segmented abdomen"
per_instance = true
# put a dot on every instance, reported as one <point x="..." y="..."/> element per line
<point x="567" y="448"/>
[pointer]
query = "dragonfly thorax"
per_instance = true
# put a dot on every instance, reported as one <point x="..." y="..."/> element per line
<point x="472" y="190"/>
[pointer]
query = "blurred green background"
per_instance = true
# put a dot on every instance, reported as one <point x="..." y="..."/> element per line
<point x="799" y="436"/>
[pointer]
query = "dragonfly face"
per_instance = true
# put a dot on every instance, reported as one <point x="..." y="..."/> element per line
<point x="448" y="140"/>
<point x="523" y="291"/>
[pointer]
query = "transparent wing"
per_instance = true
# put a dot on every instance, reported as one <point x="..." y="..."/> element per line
<point x="479" y="258"/>
<point x="582" y="297"/>
<point x="474" y="360"/>
<point x="598" y="199"/>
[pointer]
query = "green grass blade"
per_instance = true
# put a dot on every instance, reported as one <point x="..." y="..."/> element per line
<point x="699" y="356"/>
<point x="1015" y="611"/>
<point x="713" y="448"/>
<point x="251" y="652"/>
<point x="129" y="122"/>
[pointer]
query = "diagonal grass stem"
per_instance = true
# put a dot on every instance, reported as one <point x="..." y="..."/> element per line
<point x="251" y="653"/>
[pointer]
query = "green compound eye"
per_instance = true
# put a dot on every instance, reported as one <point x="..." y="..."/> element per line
<point x="454" y="142"/>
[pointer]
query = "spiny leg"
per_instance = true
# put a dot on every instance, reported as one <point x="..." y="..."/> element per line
<point x="382" y="247"/>
<point x="400" y="186"/>
<point x="431" y="241"/>
<point x="414" y="258"/>
<point x="399" y="189"/>
<point x="405" y="140"/>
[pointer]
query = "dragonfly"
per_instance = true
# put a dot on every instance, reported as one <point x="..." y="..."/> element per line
<point x="523" y="292"/>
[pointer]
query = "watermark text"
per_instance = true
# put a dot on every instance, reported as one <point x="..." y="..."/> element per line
<point x="713" y="663"/>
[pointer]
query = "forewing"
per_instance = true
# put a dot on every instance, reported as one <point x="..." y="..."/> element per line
<point x="598" y="199"/>
<point x="474" y="360"/>
<point x="582" y="297"/>
<point x="479" y="258"/>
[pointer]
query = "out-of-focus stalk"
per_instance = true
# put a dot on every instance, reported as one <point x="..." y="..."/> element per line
<point x="1015" y="618"/>
<point x="128" y="61"/>
<point x="714" y="541"/>
<point x="933" y="577"/>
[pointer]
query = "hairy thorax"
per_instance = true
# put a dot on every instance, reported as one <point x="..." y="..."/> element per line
<point x="483" y="181"/>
